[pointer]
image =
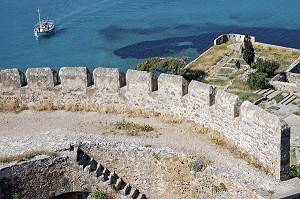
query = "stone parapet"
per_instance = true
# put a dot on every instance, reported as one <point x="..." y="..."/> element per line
<point x="41" y="78"/>
<point x="228" y="104"/>
<point x="11" y="78"/>
<point x="231" y="37"/>
<point x="252" y="129"/>
<point x="108" y="79"/>
<point x="202" y="93"/>
<point x="172" y="85"/>
<point x="75" y="78"/>
<point x="140" y="81"/>
<point x="252" y="114"/>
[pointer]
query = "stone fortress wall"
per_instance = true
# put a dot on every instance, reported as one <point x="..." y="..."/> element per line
<point x="252" y="129"/>
<point x="231" y="37"/>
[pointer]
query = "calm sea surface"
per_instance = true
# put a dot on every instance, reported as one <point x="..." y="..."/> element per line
<point x="119" y="33"/>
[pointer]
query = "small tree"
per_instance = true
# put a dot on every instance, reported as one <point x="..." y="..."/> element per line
<point x="258" y="80"/>
<point x="238" y="64"/>
<point x="170" y="65"/>
<point x="266" y="66"/>
<point x="248" y="50"/>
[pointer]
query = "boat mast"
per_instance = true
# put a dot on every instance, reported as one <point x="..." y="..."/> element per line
<point x="39" y="11"/>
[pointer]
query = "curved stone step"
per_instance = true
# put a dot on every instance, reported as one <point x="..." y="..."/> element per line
<point x="93" y="165"/>
<point x="105" y="174"/>
<point x="120" y="184"/>
<point x="134" y="193"/>
<point x="99" y="170"/>
<point x="126" y="190"/>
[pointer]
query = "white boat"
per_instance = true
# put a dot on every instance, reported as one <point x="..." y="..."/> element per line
<point x="43" y="27"/>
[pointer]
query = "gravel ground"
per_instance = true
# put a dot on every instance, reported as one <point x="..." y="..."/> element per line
<point x="52" y="131"/>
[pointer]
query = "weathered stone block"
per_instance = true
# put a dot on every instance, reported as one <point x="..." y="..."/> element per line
<point x="108" y="79"/>
<point x="11" y="78"/>
<point x="140" y="81"/>
<point x="202" y="93"/>
<point x="172" y="85"/>
<point x="75" y="78"/>
<point x="255" y="115"/>
<point x="41" y="78"/>
<point x="228" y="103"/>
<point x="293" y="78"/>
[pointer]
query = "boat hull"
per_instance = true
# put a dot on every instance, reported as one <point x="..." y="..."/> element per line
<point x="49" y="32"/>
<point x="44" y="33"/>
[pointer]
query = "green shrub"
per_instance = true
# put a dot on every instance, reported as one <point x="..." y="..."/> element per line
<point x="98" y="194"/>
<point x="258" y="80"/>
<point x="219" y="188"/>
<point x="121" y="124"/>
<point x="169" y="65"/>
<point x="295" y="171"/>
<point x="132" y="128"/>
<point x="297" y="113"/>
<point x="266" y="66"/>
<point x="158" y="64"/>
<point x="190" y="74"/>
<point x="196" y="166"/>
<point x="222" y="186"/>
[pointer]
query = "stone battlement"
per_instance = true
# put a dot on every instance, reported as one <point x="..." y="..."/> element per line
<point x="252" y="129"/>
<point x="231" y="37"/>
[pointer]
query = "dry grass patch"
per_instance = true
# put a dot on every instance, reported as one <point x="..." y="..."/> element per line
<point x="240" y="85"/>
<point x="283" y="56"/>
<point x="215" y="81"/>
<point x="12" y="106"/>
<point x="211" y="57"/>
<point x="100" y="108"/>
<point x="48" y="106"/>
<point x="131" y="128"/>
<point x="249" y="96"/>
<point x="25" y="156"/>
<point x="171" y="119"/>
<point x="226" y="72"/>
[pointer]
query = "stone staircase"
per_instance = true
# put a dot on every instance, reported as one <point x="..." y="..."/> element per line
<point x="94" y="168"/>
<point x="288" y="99"/>
<point x="269" y="94"/>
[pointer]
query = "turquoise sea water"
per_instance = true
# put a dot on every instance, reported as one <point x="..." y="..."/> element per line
<point x="119" y="33"/>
